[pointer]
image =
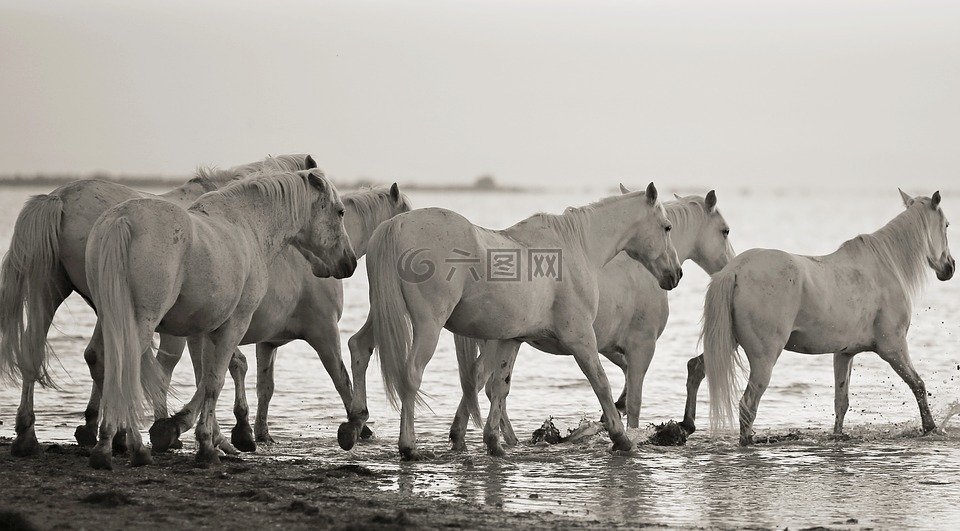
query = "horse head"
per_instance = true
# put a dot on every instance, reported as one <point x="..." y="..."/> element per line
<point x="651" y="244"/>
<point x="323" y="241"/>
<point x="367" y="209"/>
<point x="938" y="249"/>
<point x="711" y="249"/>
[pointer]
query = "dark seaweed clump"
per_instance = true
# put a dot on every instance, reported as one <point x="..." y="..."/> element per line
<point x="668" y="434"/>
<point x="547" y="433"/>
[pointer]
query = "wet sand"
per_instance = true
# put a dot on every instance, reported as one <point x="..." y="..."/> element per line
<point x="58" y="490"/>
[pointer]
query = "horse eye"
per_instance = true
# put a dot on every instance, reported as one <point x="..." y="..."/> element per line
<point x="340" y="212"/>
<point x="726" y="232"/>
<point x="668" y="228"/>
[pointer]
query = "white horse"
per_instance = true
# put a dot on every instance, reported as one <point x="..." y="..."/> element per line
<point x="152" y="265"/>
<point x="45" y="264"/>
<point x="297" y="305"/>
<point x="535" y="281"/>
<point x="857" y="299"/>
<point x="631" y="315"/>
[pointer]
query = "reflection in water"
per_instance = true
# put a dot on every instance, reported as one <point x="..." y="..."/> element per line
<point x="884" y="476"/>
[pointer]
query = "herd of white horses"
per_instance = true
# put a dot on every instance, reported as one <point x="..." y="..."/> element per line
<point x="254" y="254"/>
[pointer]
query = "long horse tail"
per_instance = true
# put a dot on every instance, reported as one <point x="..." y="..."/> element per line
<point x="133" y="379"/>
<point x="26" y="290"/>
<point x="468" y="349"/>
<point x="720" y="354"/>
<point x="392" y="326"/>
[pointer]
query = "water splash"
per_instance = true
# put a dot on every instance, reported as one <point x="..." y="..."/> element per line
<point x="952" y="410"/>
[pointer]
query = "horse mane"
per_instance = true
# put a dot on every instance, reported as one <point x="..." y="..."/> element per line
<point x="682" y="212"/>
<point x="286" y="187"/>
<point x="212" y="178"/>
<point x="900" y="246"/>
<point x="370" y="202"/>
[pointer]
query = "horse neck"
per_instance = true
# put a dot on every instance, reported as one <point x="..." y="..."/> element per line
<point x="900" y="246"/>
<point x="269" y="220"/>
<point x="360" y="221"/>
<point x="687" y="225"/>
<point x="187" y="192"/>
<point x="608" y="226"/>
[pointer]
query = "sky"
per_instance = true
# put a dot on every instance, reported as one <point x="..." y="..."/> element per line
<point x="561" y="93"/>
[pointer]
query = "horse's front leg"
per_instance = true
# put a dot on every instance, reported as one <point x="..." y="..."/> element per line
<point x="266" y="358"/>
<point x="898" y="356"/>
<point x="583" y="346"/>
<point x="361" y="349"/>
<point x="842" y="368"/>
<point x="499" y="387"/>
<point x="324" y="337"/>
<point x="695" y="376"/>
<point x="242" y="434"/>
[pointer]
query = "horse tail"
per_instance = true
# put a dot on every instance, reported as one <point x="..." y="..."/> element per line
<point x="392" y="326"/>
<point x="26" y="289"/>
<point x="133" y="379"/>
<point x="720" y="354"/>
<point x="468" y="350"/>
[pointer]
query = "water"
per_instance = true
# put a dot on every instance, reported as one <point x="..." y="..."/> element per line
<point x="884" y="476"/>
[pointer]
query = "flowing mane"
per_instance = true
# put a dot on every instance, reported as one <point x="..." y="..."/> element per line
<point x="372" y="203"/>
<point x="900" y="245"/>
<point x="286" y="187"/>
<point x="212" y="178"/>
<point x="570" y="223"/>
<point x="685" y="211"/>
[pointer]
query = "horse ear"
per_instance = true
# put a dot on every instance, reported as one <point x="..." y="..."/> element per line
<point x="907" y="200"/>
<point x="935" y="200"/>
<point x="677" y="196"/>
<point x="623" y="189"/>
<point x="710" y="201"/>
<point x="315" y="178"/>
<point x="310" y="163"/>
<point x="651" y="193"/>
<point x="395" y="193"/>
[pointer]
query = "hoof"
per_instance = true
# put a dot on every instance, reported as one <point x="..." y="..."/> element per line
<point x="510" y="439"/>
<point x="163" y="433"/>
<point x="25" y="447"/>
<point x="177" y="444"/>
<point x="458" y="445"/>
<point x="141" y="458"/>
<point x="119" y="442"/>
<point x="410" y="454"/>
<point x="746" y="441"/>
<point x="227" y="448"/>
<point x="347" y="435"/>
<point x="208" y="457"/>
<point x="622" y="444"/>
<point x="366" y="433"/>
<point x="86" y="437"/>
<point x="265" y="438"/>
<point x="242" y="438"/>
<point x="688" y="427"/>
<point x="100" y="461"/>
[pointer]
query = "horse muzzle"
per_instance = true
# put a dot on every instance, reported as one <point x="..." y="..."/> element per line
<point x="346" y="266"/>
<point x="671" y="279"/>
<point x="946" y="272"/>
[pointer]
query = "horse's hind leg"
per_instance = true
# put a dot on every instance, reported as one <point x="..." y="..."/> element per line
<point x="165" y="432"/>
<point x="169" y="355"/>
<point x="899" y="358"/>
<point x="506" y="427"/>
<point x="458" y="428"/>
<point x="695" y="376"/>
<point x="499" y="387"/>
<point x="86" y="434"/>
<point x="761" y="369"/>
<point x="426" y="335"/>
<point x="26" y="444"/>
<point x="242" y="434"/>
<point x="842" y="366"/>
<point x="361" y="349"/>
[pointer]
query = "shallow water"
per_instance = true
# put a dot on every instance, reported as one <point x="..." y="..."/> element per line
<point x="884" y="476"/>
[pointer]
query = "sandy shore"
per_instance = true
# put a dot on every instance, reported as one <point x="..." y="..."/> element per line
<point x="58" y="490"/>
